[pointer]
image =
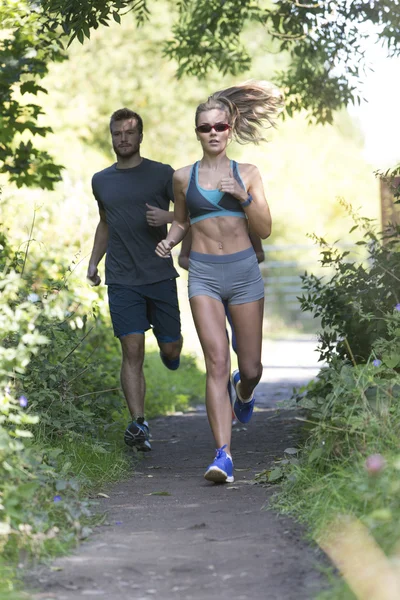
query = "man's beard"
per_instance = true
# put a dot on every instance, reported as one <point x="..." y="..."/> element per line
<point x="126" y="152"/>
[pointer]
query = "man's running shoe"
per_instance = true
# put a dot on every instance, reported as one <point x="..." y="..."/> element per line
<point x="137" y="436"/>
<point x="172" y="365"/>
<point x="221" y="470"/>
<point x="243" y="410"/>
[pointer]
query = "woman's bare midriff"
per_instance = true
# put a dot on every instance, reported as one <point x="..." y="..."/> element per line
<point x="220" y="235"/>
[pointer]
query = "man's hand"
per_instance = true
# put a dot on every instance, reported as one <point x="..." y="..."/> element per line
<point x="157" y="216"/>
<point x="164" y="248"/>
<point x="92" y="276"/>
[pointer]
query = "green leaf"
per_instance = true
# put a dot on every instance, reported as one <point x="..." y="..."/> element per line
<point x="381" y="514"/>
<point x="100" y="449"/>
<point x="291" y="451"/>
<point x="27" y="490"/>
<point x="314" y="455"/>
<point x="309" y="403"/>
<point x="275" y="475"/>
<point x="391" y="361"/>
<point x="61" y="485"/>
<point x="30" y="87"/>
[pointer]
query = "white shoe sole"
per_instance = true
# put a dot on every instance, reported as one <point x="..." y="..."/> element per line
<point x="218" y="476"/>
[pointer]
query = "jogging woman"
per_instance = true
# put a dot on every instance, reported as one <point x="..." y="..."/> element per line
<point x="221" y="199"/>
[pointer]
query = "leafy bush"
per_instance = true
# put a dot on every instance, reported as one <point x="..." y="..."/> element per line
<point x="353" y="302"/>
<point x="350" y="463"/>
<point x="59" y="402"/>
<point x="29" y="484"/>
<point x="351" y="400"/>
<point x="73" y="382"/>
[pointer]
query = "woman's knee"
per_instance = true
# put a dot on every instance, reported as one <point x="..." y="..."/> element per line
<point x="218" y="366"/>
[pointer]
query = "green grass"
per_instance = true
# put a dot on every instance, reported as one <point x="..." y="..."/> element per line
<point x="96" y="464"/>
<point x="106" y="460"/>
<point x="87" y="463"/>
<point x="10" y="586"/>
<point x="317" y="494"/>
<point x="170" y="391"/>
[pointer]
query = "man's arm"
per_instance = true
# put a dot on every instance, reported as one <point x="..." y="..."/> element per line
<point x="99" y="249"/>
<point x="156" y="217"/>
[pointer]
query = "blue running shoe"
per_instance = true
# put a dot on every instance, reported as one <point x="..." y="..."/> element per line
<point x="243" y="410"/>
<point x="221" y="470"/>
<point x="137" y="436"/>
<point x="172" y="365"/>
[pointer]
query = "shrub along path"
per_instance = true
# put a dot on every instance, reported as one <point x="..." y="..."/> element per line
<point x="170" y="534"/>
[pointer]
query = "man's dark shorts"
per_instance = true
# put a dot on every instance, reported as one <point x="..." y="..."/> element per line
<point x="135" y="309"/>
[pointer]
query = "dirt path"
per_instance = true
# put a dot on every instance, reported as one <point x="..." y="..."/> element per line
<point x="172" y="535"/>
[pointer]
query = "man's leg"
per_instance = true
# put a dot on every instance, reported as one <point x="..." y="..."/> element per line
<point x="132" y="376"/>
<point x="163" y="313"/>
<point x="129" y="318"/>
<point x="137" y="433"/>
<point x="170" y="353"/>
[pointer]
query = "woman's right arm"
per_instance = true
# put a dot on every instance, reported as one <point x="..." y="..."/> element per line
<point x="180" y="224"/>
<point x="183" y="258"/>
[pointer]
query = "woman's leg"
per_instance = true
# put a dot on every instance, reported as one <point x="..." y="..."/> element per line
<point x="209" y="318"/>
<point x="248" y="324"/>
<point x="229" y="318"/>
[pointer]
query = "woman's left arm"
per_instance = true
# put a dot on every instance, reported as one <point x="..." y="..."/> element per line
<point x="257" y="245"/>
<point x="252" y="201"/>
<point x="257" y="210"/>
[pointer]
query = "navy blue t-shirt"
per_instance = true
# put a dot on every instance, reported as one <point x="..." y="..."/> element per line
<point x="123" y="195"/>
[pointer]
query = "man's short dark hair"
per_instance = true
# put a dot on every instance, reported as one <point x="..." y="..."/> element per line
<point x="122" y="114"/>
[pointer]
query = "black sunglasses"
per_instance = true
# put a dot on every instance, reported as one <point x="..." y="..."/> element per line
<point x="218" y="127"/>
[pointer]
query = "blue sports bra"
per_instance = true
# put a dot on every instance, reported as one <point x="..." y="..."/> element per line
<point x="203" y="203"/>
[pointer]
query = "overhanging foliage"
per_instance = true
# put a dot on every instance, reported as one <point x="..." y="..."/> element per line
<point x="324" y="40"/>
<point x="27" y="45"/>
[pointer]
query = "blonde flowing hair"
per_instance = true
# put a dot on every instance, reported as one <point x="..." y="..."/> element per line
<point x="251" y="106"/>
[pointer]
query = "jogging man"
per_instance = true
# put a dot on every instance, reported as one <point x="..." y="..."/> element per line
<point x="133" y="197"/>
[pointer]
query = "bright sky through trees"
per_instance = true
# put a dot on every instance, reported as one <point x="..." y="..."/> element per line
<point x="379" y="114"/>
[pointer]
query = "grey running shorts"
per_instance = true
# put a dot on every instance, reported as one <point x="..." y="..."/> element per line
<point x="235" y="278"/>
